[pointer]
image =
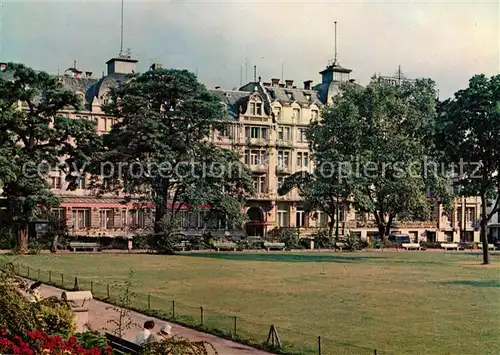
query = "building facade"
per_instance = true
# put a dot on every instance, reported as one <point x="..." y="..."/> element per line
<point x="267" y="127"/>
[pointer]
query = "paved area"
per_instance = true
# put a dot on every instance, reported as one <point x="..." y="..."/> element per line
<point x="100" y="313"/>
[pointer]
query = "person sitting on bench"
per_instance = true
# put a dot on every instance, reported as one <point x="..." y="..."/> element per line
<point x="145" y="333"/>
<point x="163" y="334"/>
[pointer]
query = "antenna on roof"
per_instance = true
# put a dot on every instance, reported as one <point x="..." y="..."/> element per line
<point x="282" y="76"/>
<point x="241" y="75"/>
<point x="74" y="64"/>
<point x="335" y="43"/>
<point x="246" y="63"/>
<point x="254" y="73"/>
<point x="121" y="31"/>
<point x="196" y="72"/>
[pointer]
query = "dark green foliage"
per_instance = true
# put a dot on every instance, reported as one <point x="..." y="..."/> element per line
<point x="370" y="150"/>
<point x="322" y="239"/>
<point x="468" y="134"/>
<point x="289" y="236"/>
<point x="34" y="133"/>
<point x="165" y="118"/>
<point x="91" y="339"/>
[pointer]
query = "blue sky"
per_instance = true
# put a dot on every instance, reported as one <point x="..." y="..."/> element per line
<point x="448" y="41"/>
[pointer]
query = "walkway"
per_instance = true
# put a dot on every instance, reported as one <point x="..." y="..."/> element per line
<point x="100" y="314"/>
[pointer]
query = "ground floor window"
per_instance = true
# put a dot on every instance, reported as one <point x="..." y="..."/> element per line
<point x="59" y="214"/>
<point x="106" y="219"/>
<point x="81" y="218"/>
<point x="137" y="218"/>
<point x="448" y="236"/>
<point x="300" y="218"/>
<point x="282" y="218"/>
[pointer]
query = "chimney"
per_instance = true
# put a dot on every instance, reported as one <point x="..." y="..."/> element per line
<point x="3" y="66"/>
<point x="275" y="82"/>
<point x="78" y="74"/>
<point x="267" y="84"/>
<point x="88" y="74"/>
<point x="307" y="84"/>
<point x="352" y="80"/>
<point x="217" y="87"/>
<point x="289" y="83"/>
<point x="156" y="66"/>
<point x="282" y="85"/>
<point x="121" y="65"/>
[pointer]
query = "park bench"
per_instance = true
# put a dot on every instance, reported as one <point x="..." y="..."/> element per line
<point x="340" y="246"/>
<point x="83" y="246"/>
<point x="490" y="246"/>
<point x="182" y="246"/>
<point x="122" y="346"/>
<point x="224" y="246"/>
<point x="277" y="246"/>
<point x="76" y="300"/>
<point x="447" y="246"/>
<point x="411" y="246"/>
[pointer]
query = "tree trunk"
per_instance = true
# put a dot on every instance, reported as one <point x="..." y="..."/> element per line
<point x="484" y="224"/>
<point x="53" y="249"/>
<point x="22" y="238"/>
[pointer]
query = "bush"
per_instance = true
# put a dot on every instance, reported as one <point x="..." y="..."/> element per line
<point x="8" y="239"/>
<point x="141" y="242"/>
<point x="322" y="240"/>
<point x="178" y="346"/>
<point x="289" y="236"/>
<point x="56" y="317"/>
<point x="354" y="242"/>
<point x="92" y="339"/>
<point x="430" y="245"/>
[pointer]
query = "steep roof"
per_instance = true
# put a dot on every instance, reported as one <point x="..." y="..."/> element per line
<point x="233" y="101"/>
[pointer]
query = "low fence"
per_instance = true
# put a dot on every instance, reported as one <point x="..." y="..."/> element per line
<point x="274" y="338"/>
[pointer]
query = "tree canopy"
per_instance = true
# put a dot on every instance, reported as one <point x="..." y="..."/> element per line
<point x="468" y="133"/>
<point x="36" y="137"/>
<point x="370" y="149"/>
<point x="160" y="147"/>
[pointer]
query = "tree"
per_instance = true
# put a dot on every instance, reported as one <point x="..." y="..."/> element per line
<point x="468" y="132"/>
<point x="372" y="141"/>
<point x="35" y="137"/>
<point x="160" y="150"/>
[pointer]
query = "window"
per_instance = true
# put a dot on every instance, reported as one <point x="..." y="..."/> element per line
<point x="281" y="180"/>
<point x="277" y="113"/>
<point x="137" y="218"/>
<point x="470" y="214"/>
<point x="296" y="114"/>
<point x="224" y="132"/>
<point x="301" y="135"/>
<point x="124" y="218"/>
<point x="256" y="132"/>
<point x="259" y="184"/>
<point x="314" y="114"/>
<point x="302" y="160"/>
<point x="300" y="219"/>
<point x="282" y="218"/>
<point x="106" y="219"/>
<point x="82" y="183"/>
<point x="255" y="156"/>
<point x="59" y="214"/>
<point x="322" y="220"/>
<point x="258" y="109"/>
<point x="283" y="158"/>
<point x="283" y="133"/>
<point x="55" y="182"/>
<point x="81" y="218"/>
<point x="290" y="95"/>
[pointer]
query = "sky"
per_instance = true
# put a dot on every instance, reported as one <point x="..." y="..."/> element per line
<point x="448" y="41"/>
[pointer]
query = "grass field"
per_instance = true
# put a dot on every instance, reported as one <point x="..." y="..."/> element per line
<point x="397" y="302"/>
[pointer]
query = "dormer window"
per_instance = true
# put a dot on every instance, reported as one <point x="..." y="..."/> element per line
<point x="290" y="95"/>
<point x="258" y="107"/>
<point x="308" y="97"/>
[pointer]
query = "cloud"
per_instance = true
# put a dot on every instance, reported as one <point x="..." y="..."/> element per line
<point x="447" y="41"/>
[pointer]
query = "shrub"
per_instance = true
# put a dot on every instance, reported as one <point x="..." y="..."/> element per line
<point x="322" y="240"/>
<point x="56" y="317"/>
<point x="142" y="242"/>
<point x="92" y="339"/>
<point x="353" y="242"/>
<point x="430" y="245"/>
<point x="289" y="236"/>
<point x="177" y="346"/>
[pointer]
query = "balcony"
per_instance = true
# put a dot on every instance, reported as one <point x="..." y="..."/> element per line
<point x="415" y="224"/>
<point x="257" y="141"/>
<point x="280" y="169"/>
<point x="263" y="196"/>
<point x="283" y="143"/>
<point x="259" y="168"/>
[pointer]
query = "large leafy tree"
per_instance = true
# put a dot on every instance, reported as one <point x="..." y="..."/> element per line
<point x="468" y="133"/>
<point x="159" y="149"/>
<point x="35" y="137"/>
<point x="374" y="140"/>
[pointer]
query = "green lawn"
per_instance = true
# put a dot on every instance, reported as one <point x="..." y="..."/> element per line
<point x="397" y="302"/>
